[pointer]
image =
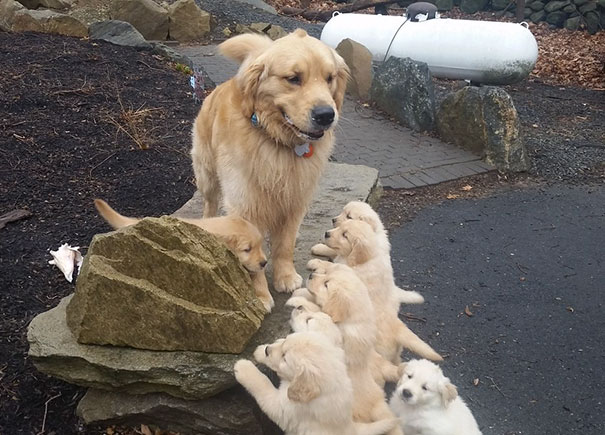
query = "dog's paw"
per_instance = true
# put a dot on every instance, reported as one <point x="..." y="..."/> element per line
<point x="316" y="265"/>
<point x="303" y="292"/>
<point x="287" y="282"/>
<point x="322" y="250"/>
<point x="243" y="369"/>
<point x="267" y="301"/>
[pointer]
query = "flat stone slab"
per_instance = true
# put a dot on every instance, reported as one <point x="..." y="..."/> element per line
<point x="189" y="375"/>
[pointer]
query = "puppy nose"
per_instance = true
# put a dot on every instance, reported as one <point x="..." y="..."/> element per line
<point x="322" y="116"/>
<point x="263" y="264"/>
<point x="406" y="393"/>
<point x="327" y="235"/>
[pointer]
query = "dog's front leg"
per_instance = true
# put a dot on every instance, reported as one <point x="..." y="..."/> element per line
<point x="285" y="278"/>
<point x="261" y="288"/>
<point x="260" y="387"/>
<point x="322" y="250"/>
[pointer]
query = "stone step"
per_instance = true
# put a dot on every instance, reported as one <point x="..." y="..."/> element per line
<point x="188" y="375"/>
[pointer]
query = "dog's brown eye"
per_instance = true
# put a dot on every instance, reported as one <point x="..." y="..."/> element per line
<point x="294" y="80"/>
<point x="409" y="376"/>
<point x="345" y="235"/>
<point x="424" y="387"/>
<point x="349" y="216"/>
<point x="330" y="78"/>
<point x="248" y="249"/>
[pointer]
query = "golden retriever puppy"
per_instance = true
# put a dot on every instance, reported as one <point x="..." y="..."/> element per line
<point x="355" y="242"/>
<point x="315" y="394"/>
<point x="307" y="317"/>
<point x="262" y="139"/>
<point x="343" y="296"/>
<point x="241" y="237"/>
<point x="361" y="211"/>
<point x="428" y="404"/>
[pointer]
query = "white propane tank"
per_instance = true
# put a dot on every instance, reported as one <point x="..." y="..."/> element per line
<point x="481" y="51"/>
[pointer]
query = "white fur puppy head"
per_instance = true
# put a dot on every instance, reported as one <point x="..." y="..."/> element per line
<point x="423" y="384"/>
<point x="340" y="293"/>
<point x="359" y="211"/>
<point x="306" y="360"/>
<point x="355" y="241"/>
<point x="305" y="318"/>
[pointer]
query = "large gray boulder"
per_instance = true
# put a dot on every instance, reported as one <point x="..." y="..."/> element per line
<point x="484" y="120"/>
<point x="146" y="16"/>
<point x="472" y="6"/>
<point x="164" y="284"/>
<point x="8" y="9"/>
<point x="404" y="89"/>
<point x="119" y="33"/>
<point x="359" y="61"/>
<point x="188" y="22"/>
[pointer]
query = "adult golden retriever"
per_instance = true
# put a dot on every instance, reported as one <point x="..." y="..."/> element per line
<point x="241" y="237"/>
<point x="262" y="139"/>
<point x="314" y="395"/>
<point x="356" y="242"/>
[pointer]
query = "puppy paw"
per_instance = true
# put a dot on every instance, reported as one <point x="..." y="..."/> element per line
<point x="322" y="250"/>
<point x="318" y="266"/>
<point x="243" y="369"/>
<point x="267" y="301"/>
<point x="287" y="282"/>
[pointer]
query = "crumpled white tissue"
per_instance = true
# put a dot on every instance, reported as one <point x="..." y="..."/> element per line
<point x="66" y="258"/>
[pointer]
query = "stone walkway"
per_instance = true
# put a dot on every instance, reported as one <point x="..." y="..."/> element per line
<point x="404" y="159"/>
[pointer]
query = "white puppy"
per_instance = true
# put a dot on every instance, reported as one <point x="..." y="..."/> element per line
<point x="428" y="404"/>
<point x="315" y="395"/>
<point x="361" y="211"/>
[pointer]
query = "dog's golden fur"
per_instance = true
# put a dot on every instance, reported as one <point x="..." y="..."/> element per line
<point x="240" y="236"/>
<point x="355" y="241"/>
<point x="315" y="394"/>
<point x="342" y="295"/>
<point x="254" y="170"/>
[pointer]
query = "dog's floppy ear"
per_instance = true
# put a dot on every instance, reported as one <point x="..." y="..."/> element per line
<point x="448" y="392"/>
<point x="342" y="77"/>
<point x="360" y="253"/>
<point x="370" y="220"/>
<point x="338" y="307"/>
<point x="304" y="387"/>
<point x="240" y="47"/>
<point x="249" y="77"/>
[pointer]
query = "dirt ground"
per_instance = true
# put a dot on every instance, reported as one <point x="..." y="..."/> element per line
<point x="83" y="120"/>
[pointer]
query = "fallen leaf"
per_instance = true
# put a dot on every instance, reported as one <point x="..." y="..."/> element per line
<point x="109" y="431"/>
<point x="145" y="430"/>
<point x="570" y="309"/>
<point x="467" y="311"/>
<point x="467" y="187"/>
<point x="476" y="382"/>
<point x="452" y="196"/>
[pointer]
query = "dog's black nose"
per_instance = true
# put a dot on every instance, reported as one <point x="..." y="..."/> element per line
<point x="327" y="235"/>
<point x="406" y="393"/>
<point x="322" y="116"/>
<point x="263" y="264"/>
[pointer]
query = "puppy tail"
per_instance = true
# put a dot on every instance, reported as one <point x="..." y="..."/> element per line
<point x="411" y="341"/>
<point x="113" y="218"/>
<point x="408" y="296"/>
<point x="377" y="427"/>
<point x="240" y="47"/>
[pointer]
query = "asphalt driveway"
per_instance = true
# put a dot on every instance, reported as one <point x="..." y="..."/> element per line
<point x="530" y="266"/>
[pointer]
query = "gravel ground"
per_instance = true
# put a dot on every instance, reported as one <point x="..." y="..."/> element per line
<point x="229" y="12"/>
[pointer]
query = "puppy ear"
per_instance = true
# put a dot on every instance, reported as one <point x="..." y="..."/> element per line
<point x="342" y="77"/>
<point x="338" y="307"/>
<point x="240" y="47"/>
<point x="448" y="392"/>
<point x="360" y="253"/>
<point x="370" y="220"/>
<point x="304" y="387"/>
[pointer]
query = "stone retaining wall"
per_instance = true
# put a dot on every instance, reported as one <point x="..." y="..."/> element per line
<point x="571" y="14"/>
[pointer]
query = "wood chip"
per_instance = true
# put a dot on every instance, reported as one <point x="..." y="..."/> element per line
<point x="13" y="216"/>
<point x="467" y="311"/>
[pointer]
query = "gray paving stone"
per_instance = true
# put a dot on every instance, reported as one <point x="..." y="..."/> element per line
<point x="405" y="159"/>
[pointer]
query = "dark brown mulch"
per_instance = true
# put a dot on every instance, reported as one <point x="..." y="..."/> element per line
<point x="69" y="109"/>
